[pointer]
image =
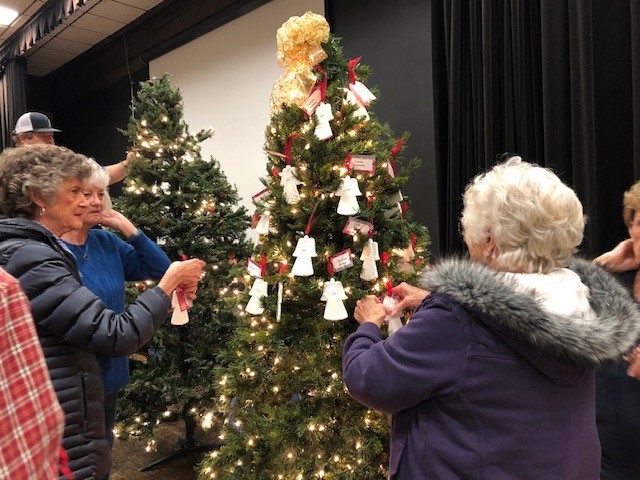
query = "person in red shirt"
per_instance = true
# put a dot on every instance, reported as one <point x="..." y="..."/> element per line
<point x="32" y="419"/>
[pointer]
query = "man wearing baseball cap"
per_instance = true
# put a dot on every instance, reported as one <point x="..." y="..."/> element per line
<point x="35" y="128"/>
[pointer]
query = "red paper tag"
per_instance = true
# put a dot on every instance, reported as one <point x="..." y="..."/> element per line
<point x="254" y="268"/>
<point x="364" y="163"/>
<point x="355" y="225"/>
<point x="341" y="260"/>
<point x="261" y="195"/>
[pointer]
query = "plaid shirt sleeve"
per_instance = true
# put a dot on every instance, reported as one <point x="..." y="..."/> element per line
<point x="32" y="421"/>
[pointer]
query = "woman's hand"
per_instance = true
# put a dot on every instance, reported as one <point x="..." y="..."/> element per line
<point x="620" y="259"/>
<point x="370" y="309"/>
<point x="186" y="273"/>
<point x="113" y="219"/>
<point x="408" y="296"/>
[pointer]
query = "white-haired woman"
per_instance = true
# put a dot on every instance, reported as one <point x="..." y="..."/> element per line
<point x="105" y="263"/>
<point x="493" y="377"/>
<point x="41" y="194"/>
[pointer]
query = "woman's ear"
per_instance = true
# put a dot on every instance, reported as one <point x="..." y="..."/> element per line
<point x="37" y="198"/>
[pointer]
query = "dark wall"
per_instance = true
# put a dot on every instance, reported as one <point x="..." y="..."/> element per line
<point x="394" y="38"/>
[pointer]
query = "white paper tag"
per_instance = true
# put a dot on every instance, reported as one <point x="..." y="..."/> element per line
<point x="341" y="260"/>
<point x="364" y="163"/>
<point x="355" y="225"/>
<point x="311" y="103"/>
<point x="254" y="268"/>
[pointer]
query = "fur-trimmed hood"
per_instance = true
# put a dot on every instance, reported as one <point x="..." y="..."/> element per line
<point x="519" y="318"/>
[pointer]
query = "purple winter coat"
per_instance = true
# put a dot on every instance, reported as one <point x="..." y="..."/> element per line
<point x="484" y="384"/>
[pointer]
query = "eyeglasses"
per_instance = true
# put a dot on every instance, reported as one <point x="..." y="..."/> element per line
<point x="460" y="228"/>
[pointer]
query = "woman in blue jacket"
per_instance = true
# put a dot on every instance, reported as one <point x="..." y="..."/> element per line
<point x="493" y="376"/>
<point x="41" y="194"/>
<point x="105" y="263"/>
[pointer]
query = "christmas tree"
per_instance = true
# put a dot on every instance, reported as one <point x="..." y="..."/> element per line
<point x="187" y="203"/>
<point x="333" y="228"/>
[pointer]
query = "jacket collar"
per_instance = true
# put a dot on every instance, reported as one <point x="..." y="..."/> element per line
<point x="497" y="302"/>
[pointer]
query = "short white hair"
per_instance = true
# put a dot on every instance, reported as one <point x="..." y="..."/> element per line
<point x="536" y="220"/>
<point x="100" y="178"/>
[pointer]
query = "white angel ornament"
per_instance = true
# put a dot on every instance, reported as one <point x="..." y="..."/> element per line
<point x="259" y="289"/>
<point x="334" y="295"/>
<point x="360" y="111"/>
<point x="324" y="115"/>
<point x="349" y="192"/>
<point x="290" y="182"/>
<point x="393" y="322"/>
<point x="304" y="252"/>
<point x="262" y="227"/>
<point x="369" y="257"/>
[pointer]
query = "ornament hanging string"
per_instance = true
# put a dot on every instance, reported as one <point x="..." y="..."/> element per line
<point x="352" y="72"/>
<point x="389" y="288"/>
<point x="347" y="163"/>
<point x="384" y="257"/>
<point x="414" y="240"/>
<point x="394" y="151"/>
<point x="263" y="263"/>
<point x="182" y="301"/>
<point x="322" y="86"/>
<point x="289" y="147"/>
<point x="312" y="219"/>
<point x="330" y="268"/>
<point x="283" y="268"/>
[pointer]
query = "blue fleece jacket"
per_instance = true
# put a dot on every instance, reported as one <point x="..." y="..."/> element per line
<point x="110" y="262"/>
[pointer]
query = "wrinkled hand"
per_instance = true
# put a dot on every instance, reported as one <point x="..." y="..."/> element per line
<point x="370" y="309"/>
<point x="113" y="219"/>
<point x="186" y="273"/>
<point x="634" y="363"/>
<point x="408" y="296"/>
<point x="620" y="259"/>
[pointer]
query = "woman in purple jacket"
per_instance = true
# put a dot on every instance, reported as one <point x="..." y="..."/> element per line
<point x="493" y="377"/>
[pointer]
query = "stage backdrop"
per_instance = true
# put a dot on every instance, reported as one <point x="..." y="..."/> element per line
<point x="226" y="78"/>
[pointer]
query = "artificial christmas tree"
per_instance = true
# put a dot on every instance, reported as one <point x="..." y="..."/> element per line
<point x="289" y="415"/>
<point x="190" y="207"/>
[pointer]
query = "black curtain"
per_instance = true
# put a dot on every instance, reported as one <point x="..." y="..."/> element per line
<point x="13" y="97"/>
<point x="550" y="80"/>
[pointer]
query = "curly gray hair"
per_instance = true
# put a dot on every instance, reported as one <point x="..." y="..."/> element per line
<point x="536" y="220"/>
<point x="36" y="169"/>
<point x="99" y="178"/>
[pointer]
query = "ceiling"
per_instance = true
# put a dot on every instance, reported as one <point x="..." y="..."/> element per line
<point x="95" y="21"/>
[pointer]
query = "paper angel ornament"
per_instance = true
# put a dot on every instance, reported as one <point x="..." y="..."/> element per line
<point x="290" y="182"/>
<point x="324" y="115"/>
<point x="406" y="256"/>
<point x="394" y="322"/>
<point x="305" y="250"/>
<point x="349" y="192"/>
<point x="394" y="201"/>
<point x="262" y="227"/>
<point x="180" y="304"/>
<point x="258" y="290"/>
<point x="369" y="257"/>
<point x="334" y="295"/>
<point x="362" y="93"/>
<point x="360" y="111"/>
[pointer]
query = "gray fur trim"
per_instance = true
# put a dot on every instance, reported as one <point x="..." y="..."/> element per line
<point x="490" y="292"/>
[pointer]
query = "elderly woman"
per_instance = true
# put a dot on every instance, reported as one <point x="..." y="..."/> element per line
<point x="105" y="263"/>
<point x="493" y="376"/>
<point x="41" y="193"/>
<point x="617" y="385"/>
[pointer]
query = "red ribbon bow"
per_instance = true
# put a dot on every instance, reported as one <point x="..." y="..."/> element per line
<point x="322" y="86"/>
<point x="352" y="71"/>
<point x="394" y="151"/>
<point x="263" y="264"/>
